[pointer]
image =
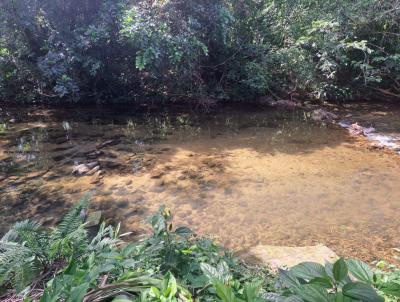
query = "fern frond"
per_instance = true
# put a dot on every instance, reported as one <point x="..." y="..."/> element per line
<point x="18" y="265"/>
<point x="25" y="274"/>
<point x="72" y="220"/>
<point x="26" y="226"/>
<point x="27" y="248"/>
<point x="106" y="237"/>
<point x="71" y="246"/>
<point x="106" y="243"/>
<point x="37" y="242"/>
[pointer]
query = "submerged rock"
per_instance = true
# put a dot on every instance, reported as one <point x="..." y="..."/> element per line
<point x="107" y="144"/>
<point x="379" y="140"/>
<point x="276" y="257"/>
<point x="112" y="165"/>
<point x="86" y="169"/>
<point x="94" y="170"/>
<point x="157" y="174"/>
<point x="285" y="104"/>
<point x="356" y="130"/>
<point x="379" y="113"/>
<point x="98" y="177"/>
<point x="94" y="154"/>
<point x="80" y="169"/>
<point x="94" y="219"/>
<point x="321" y="115"/>
<point x="93" y="164"/>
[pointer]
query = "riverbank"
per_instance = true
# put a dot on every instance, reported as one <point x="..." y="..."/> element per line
<point x="170" y="263"/>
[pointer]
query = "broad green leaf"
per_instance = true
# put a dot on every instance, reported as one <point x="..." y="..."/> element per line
<point x="339" y="297"/>
<point x="308" y="270"/>
<point x="78" y="293"/>
<point x="391" y="288"/>
<point x="288" y="279"/>
<point x="223" y="272"/>
<point x="313" y="293"/>
<point x="360" y="270"/>
<point x="210" y="271"/>
<point x="184" y="232"/>
<point x="361" y="291"/>
<point x="340" y="270"/>
<point x="49" y="296"/>
<point x="251" y="290"/>
<point x="155" y="291"/>
<point x="224" y="292"/>
<point x="323" y="282"/>
<point x="220" y="273"/>
<point x="329" y="272"/>
<point x="172" y="286"/>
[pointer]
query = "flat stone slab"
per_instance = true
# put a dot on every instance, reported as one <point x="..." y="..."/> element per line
<point x="276" y="257"/>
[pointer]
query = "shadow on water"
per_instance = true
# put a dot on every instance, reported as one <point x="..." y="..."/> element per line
<point x="39" y="147"/>
<point x="148" y="127"/>
<point x="31" y="202"/>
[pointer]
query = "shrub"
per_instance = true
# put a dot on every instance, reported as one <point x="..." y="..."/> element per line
<point x="224" y="49"/>
<point x="172" y="264"/>
<point x="28" y="250"/>
<point x="345" y="280"/>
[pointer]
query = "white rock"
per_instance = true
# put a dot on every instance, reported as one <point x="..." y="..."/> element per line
<point x="94" y="170"/>
<point x="92" y="164"/>
<point x="276" y="257"/>
<point x="80" y="169"/>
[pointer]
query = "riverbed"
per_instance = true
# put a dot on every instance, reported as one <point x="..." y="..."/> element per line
<point x="243" y="176"/>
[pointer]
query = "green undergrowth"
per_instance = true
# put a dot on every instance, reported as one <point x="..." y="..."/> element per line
<point x="66" y="263"/>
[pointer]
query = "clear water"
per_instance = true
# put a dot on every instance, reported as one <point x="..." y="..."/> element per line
<point x="243" y="177"/>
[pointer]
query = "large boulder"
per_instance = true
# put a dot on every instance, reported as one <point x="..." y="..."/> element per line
<point x="276" y="257"/>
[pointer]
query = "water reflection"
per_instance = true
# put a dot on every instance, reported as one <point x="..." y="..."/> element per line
<point x="151" y="129"/>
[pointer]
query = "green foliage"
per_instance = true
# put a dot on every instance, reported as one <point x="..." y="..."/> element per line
<point x="3" y="128"/>
<point x="224" y="49"/>
<point x="345" y="280"/>
<point x="386" y="279"/>
<point x="198" y="264"/>
<point x="171" y="264"/>
<point x="27" y="249"/>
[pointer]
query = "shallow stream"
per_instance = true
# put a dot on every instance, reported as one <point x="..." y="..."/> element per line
<point x="243" y="177"/>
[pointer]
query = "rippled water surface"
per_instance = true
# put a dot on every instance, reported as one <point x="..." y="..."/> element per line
<point x="244" y="177"/>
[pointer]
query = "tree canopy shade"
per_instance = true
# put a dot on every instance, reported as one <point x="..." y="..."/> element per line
<point x="222" y="49"/>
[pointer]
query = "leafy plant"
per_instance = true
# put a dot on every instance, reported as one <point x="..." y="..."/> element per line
<point x="345" y="280"/>
<point x="387" y="281"/>
<point x="27" y="249"/>
<point x="192" y="260"/>
<point x="227" y="289"/>
<point x="172" y="264"/>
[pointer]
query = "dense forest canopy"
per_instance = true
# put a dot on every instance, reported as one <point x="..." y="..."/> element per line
<point x="199" y="49"/>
